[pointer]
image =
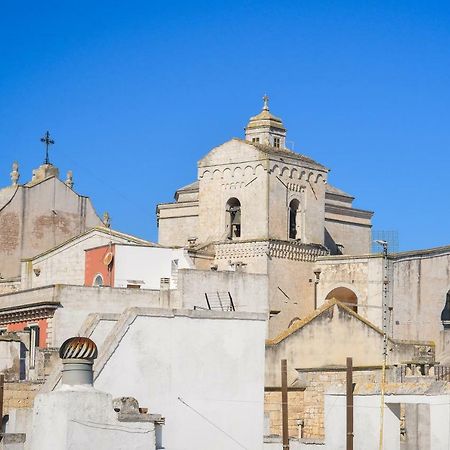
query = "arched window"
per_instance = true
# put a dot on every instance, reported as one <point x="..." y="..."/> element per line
<point x="345" y="296"/>
<point x="445" y="315"/>
<point x="293" y="214"/>
<point x="233" y="210"/>
<point x="98" y="280"/>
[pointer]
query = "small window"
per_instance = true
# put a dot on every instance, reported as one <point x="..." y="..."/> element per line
<point x="276" y="142"/>
<point x="98" y="280"/>
<point x="255" y="140"/>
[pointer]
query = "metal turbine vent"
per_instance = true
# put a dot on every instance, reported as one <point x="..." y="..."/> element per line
<point x="78" y="348"/>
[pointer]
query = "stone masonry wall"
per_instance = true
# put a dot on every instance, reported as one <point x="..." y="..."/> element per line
<point x="307" y="406"/>
<point x="19" y="395"/>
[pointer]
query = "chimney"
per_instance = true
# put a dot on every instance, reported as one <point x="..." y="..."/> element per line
<point x="78" y="354"/>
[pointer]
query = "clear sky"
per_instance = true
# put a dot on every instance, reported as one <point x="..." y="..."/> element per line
<point x="136" y="92"/>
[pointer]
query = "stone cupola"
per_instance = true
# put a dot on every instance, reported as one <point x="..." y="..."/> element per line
<point x="266" y="129"/>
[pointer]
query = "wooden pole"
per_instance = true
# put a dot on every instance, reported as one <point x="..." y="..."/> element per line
<point x="349" y="404"/>
<point x="284" y="404"/>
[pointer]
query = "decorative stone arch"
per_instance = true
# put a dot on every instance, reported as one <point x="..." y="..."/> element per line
<point x="285" y="171"/>
<point x="249" y="171"/>
<point x="276" y="170"/>
<point x="319" y="176"/>
<point x="237" y="172"/>
<point x="217" y="174"/>
<point x="226" y="174"/>
<point x="259" y="169"/>
<point x="344" y="295"/>
<point x="293" y="321"/>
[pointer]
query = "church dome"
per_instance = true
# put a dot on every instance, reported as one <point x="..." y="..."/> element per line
<point x="265" y="119"/>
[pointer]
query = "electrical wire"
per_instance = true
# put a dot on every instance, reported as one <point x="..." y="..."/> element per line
<point x="212" y="423"/>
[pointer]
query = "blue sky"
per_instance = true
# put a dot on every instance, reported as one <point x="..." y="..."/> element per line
<point x="135" y="93"/>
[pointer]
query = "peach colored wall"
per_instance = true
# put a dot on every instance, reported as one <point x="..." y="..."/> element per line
<point x="42" y="323"/>
<point x="94" y="265"/>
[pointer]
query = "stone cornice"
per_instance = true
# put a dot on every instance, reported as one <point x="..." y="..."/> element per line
<point x="291" y="250"/>
<point x="23" y="313"/>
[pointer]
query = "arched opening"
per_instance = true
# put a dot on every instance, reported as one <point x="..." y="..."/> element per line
<point x="233" y="210"/>
<point x="345" y="296"/>
<point x="98" y="280"/>
<point x="445" y="315"/>
<point x="293" y="214"/>
<point x="294" y="320"/>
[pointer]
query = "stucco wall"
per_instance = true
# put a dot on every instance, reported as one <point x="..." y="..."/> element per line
<point x="420" y="287"/>
<point x="290" y="292"/>
<point x="38" y="218"/>
<point x="362" y="275"/>
<point x="177" y="222"/>
<point x="215" y="365"/>
<point x="66" y="264"/>
<point x="148" y="264"/>
<point x="77" y="303"/>
<point x="355" y="238"/>
<point x="248" y="291"/>
<point x="327" y="340"/>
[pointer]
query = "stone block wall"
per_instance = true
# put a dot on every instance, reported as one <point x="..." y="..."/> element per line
<point x="308" y="406"/>
<point x="19" y="395"/>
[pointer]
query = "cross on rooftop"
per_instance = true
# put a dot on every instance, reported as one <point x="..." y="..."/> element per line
<point x="266" y="102"/>
<point x="47" y="141"/>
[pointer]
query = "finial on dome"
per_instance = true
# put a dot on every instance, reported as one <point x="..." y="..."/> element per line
<point x="15" y="175"/>
<point x="266" y="102"/>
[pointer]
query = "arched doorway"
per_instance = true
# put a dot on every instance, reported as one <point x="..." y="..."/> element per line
<point x="344" y="295"/>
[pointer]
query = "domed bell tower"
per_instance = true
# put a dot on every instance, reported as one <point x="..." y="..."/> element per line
<point x="266" y="129"/>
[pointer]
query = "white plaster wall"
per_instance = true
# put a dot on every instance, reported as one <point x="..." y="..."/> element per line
<point x="215" y="365"/>
<point x="356" y="238"/>
<point x="81" y="418"/>
<point x="9" y="355"/>
<point x="366" y="423"/>
<point x="64" y="265"/>
<point x="79" y="302"/>
<point x="420" y="288"/>
<point x="326" y="342"/>
<point x="148" y="264"/>
<point x="176" y="230"/>
<point x="249" y="291"/>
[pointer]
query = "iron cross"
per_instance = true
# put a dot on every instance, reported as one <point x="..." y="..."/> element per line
<point x="47" y="141"/>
